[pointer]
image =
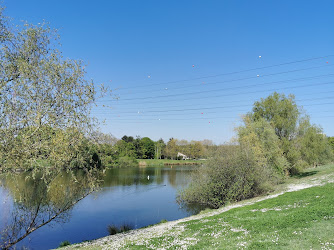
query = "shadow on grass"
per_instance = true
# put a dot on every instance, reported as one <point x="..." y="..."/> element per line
<point x="305" y="174"/>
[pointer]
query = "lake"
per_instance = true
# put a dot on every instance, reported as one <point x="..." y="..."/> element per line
<point x="134" y="196"/>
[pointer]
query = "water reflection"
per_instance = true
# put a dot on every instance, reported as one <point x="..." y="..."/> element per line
<point x="126" y="196"/>
<point x="38" y="199"/>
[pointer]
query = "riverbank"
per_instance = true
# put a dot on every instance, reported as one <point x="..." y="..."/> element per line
<point x="165" y="162"/>
<point x="298" y="215"/>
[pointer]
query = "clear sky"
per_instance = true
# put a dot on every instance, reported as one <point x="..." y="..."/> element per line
<point x="189" y="69"/>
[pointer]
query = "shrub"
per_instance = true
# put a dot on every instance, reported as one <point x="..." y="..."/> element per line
<point x="126" y="161"/>
<point x="230" y="175"/>
<point x="112" y="229"/>
<point x="64" y="243"/>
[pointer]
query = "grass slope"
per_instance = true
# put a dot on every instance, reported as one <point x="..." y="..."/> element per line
<point x="294" y="220"/>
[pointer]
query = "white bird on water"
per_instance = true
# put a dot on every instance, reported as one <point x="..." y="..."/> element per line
<point x="148" y="177"/>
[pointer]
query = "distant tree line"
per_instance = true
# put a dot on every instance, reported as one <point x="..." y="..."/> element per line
<point x="125" y="152"/>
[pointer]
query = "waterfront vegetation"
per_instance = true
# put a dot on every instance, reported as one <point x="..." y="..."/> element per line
<point x="275" y="141"/>
<point x="168" y="162"/>
<point x="46" y="128"/>
<point x="294" y="220"/>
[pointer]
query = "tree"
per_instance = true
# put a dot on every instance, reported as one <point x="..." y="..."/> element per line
<point x="171" y="149"/>
<point x="196" y="149"/>
<point x="259" y="137"/>
<point x="159" y="148"/>
<point x="331" y="142"/>
<point x="280" y="111"/>
<point x="45" y="104"/>
<point x="40" y="93"/>
<point x="314" y="146"/>
<point x="301" y="143"/>
<point x="128" y="138"/>
<point x="147" y="148"/>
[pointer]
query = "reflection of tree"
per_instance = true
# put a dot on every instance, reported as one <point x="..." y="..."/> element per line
<point x="171" y="177"/>
<point x="42" y="198"/>
<point x="191" y="208"/>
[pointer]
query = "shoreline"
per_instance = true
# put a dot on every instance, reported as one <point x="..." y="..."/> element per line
<point x="143" y="235"/>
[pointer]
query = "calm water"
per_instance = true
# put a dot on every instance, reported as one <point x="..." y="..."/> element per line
<point x="134" y="196"/>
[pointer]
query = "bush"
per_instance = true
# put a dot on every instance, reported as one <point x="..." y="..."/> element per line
<point x="126" y="161"/>
<point x="298" y="167"/>
<point x="230" y="175"/>
<point x="112" y="229"/>
<point x="64" y="243"/>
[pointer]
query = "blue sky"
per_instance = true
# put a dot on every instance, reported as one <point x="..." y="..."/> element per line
<point x="168" y="61"/>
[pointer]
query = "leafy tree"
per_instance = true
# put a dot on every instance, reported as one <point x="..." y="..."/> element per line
<point x="138" y="148"/>
<point x="171" y="149"/>
<point x="314" y="146"/>
<point x="147" y="148"/>
<point x="196" y="149"/>
<point x="159" y="148"/>
<point x="280" y="111"/>
<point x="40" y="92"/>
<point x="302" y="144"/>
<point x="331" y="142"/>
<point x="123" y="148"/>
<point x="45" y="104"/>
<point x="128" y="138"/>
<point x="259" y="137"/>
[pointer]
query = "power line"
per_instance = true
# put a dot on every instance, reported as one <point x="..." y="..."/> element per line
<point x="231" y="73"/>
<point x="213" y="108"/>
<point x="208" y="91"/>
<point x="244" y="87"/>
<point x="249" y="92"/>
<point x="183" y="105"/>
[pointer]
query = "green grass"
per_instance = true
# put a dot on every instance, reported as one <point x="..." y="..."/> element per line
<point x="163" y="162"/>
<point x="295" y="220"/>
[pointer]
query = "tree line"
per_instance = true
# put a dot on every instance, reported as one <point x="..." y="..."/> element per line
<point x="114" y="152"/>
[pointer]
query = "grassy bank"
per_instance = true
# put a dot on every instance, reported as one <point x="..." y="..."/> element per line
<point x="286" y="219"/>
<point x="167" y="162"/>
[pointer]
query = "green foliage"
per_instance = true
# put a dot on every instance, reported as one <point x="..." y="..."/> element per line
<point x="331" y="142"/>
<point x="301" y="143"/>
<point x="126" y="161"/>
<point x="260" y="137"/>
<point x="294" y="220"/>
<point x="112" y="229"/>
<point x="44" y="101"/>
<point x="280" y="111"/>
<point x="147" y="148"/>
<point x="314" y="146"/>
<point x="45" y="104"/>
<point x="230" y="175"/>
<point x="159" y="148"/>
<point x="64" y="243"/>
<point x="171" y="149"/>
<point x="273" y="142"/>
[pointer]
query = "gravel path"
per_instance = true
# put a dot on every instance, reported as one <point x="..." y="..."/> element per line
<point x="173" y="228"/>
